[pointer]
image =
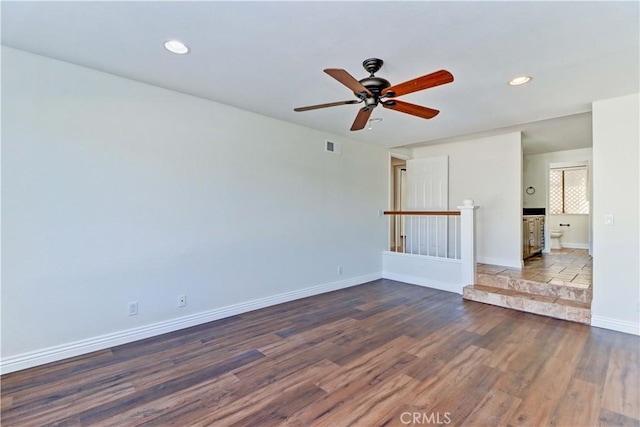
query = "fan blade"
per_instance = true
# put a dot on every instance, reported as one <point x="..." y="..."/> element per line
<point x="330" y="104"/>
<point x="348" y="80"/>
<point x="413" y="109"/>
<point x="425" y="82"/>
<point x="361" y="119"/>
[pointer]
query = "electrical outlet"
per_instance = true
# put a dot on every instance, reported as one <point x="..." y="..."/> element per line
<point x="182" y="300"/>
<point x="133" y="308"/>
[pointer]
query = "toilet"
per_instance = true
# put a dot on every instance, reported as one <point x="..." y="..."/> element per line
<point x="555" y="239"/>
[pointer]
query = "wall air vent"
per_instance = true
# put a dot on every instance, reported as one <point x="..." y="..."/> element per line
<point x="333" y="147"/>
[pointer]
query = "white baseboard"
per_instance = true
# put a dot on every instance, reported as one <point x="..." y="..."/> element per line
<point x="77" y="348"/>
<point x="616" y="325"/>
<point x="575" y="245"/>
<point x="421" y="281"/>
<point x="503" y="262"/>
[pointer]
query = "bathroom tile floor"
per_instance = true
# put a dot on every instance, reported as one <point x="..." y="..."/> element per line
<point x="566" y="267"/>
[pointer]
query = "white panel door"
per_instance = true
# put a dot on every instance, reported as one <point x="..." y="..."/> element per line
<point x="428" y="190"/>
<point x="428" y="183"/>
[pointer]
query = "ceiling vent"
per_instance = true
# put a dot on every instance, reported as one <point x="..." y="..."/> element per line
<point x="333" y="147"/>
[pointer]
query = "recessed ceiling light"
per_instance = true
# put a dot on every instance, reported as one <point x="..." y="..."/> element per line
<point x="175" y="46"/>
<point x="520" y="80"/>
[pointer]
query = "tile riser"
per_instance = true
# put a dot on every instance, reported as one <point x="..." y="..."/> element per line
<point x="520" y="303"/>
<point x="536" y="288"/>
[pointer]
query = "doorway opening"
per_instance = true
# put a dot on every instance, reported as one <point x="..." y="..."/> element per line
<point x="569" y="206"/>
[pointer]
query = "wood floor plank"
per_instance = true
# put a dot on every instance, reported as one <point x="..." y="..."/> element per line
<point x="449" y="377"/>
<point x="369" y="407"/>
<point x="111" y="382"/>
<point x="503" y="350"/>
<point x="489" y="322"/>
<point x="594" y="362"/>
<point x="612" y="419"/>
<point x="282" y="407"/>
<point x="580" y="407"/>
<point x="311" y="338"/>
<point x="44" y="374"/>
<point x="148" y="412"/>
<point x="549" y="386"/>
<point x="259" y="398"/>
<point x="434" y="353"/>
<point x="6" y="402"/>
<point x="310" y="414"/>
<point x="346" y="382"/>
<point x="494" y="410"/>
<point x="437" y="341"/>
<point x="478" y="383"/>
<point x="104" y="411"/>
<point x="53" y="409"/>
<point x="523" y="366"/>
<point x="571" y="346"/>
<point x="371" y="355"/>
<point x="369" y="369"/>
<point x="622" y="384"/>
<point x="274" y="369"/>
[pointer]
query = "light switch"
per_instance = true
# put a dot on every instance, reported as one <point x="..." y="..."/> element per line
<point x="608" y="220"/>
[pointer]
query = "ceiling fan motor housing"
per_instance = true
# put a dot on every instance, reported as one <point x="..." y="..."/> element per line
<point x="375" y="84"/>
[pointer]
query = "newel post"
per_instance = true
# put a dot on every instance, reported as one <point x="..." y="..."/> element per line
<point x="468" y="241"/>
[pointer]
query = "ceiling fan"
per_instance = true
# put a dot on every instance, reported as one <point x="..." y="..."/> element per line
<point x="374" y="90"/>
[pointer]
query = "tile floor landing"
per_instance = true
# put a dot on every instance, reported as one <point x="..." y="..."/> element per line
<point x="557" y="284"/>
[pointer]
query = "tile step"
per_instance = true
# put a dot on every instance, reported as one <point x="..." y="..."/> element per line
<point x="579" y="293"/>
<point x="544" y="305"/>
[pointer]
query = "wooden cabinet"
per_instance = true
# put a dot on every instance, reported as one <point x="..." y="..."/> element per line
<point x="526" y="252"/>
<point x="532" y="235"/>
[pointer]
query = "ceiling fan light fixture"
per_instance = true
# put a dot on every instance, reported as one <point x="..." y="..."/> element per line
<point x="519" y="80"/>
<point x="176" y="46"/>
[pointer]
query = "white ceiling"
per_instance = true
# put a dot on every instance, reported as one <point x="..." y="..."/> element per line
<point x="268" y="57"/>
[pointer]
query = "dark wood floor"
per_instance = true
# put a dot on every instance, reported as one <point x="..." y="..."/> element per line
<point x="383" y="353"/>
